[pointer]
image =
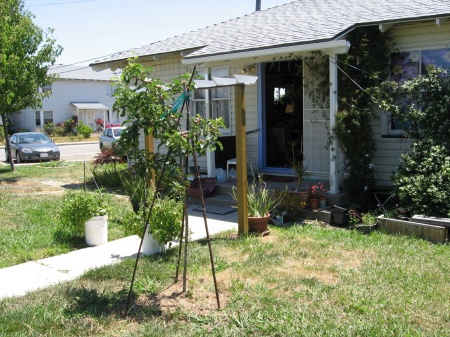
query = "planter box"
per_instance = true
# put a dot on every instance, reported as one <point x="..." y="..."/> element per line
<point x="208" y="186"/>
<point x="339" y="214"/>
<point x="429" y="232"/>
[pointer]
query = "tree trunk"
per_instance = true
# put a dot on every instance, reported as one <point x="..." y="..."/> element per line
<point x="7" y="145"/>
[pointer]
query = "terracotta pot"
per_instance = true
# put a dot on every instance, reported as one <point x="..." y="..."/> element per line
<point x="258" y="224"/>
<point x="314" y="203"/>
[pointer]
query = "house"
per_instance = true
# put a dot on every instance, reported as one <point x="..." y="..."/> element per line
<point x="79" y="91"/>
<point x="270" y="44"/>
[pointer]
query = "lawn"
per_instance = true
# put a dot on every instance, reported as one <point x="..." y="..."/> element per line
<point x="305" y="280"/>
<point x="30" y="202"/>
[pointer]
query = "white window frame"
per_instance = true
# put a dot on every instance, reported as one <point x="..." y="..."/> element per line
<point x="42" y="118"/>
<point x="210" y="101"/>
<point x="387" y="129"/>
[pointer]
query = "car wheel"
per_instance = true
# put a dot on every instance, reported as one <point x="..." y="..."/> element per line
<point x="19" y="160"/>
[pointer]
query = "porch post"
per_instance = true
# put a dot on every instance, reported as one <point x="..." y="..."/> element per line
<point x="241" y="160"/>
<point x="334" y="177"/>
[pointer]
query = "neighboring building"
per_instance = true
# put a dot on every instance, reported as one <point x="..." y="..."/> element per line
<point x="256" y="43"/>
<point x="79" y="91"/>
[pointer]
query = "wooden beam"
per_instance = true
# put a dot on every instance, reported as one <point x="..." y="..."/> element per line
<point x="241" y="160"/>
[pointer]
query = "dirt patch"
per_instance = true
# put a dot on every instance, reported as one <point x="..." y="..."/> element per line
<point x="31" y="187"/>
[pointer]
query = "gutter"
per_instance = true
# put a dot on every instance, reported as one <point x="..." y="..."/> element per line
<point x="331" y="47"/>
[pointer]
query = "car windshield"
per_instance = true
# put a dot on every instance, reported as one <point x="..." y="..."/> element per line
<point x="29" y="139"/>
<point x="117" y="132"/>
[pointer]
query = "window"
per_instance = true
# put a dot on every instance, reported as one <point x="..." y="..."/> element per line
<point x="46" y="115"/>
<point x="408" y="65"/>
<point x="214" y="103"/>
<point x="110" y="90"/>
<point x="46" y="88"/>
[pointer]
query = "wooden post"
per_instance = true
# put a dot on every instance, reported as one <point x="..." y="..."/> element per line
<point x="241" y="160"/>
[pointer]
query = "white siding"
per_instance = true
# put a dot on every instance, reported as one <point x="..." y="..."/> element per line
<point x="64" y="92"/>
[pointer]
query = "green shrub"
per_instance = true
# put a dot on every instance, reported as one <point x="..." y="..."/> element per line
<point x="165" y="220"/>
<point x="79" y="206"/>
<point x="49" y="129"/>
<point x="69" y="126"/>
<point x="84" y="130"/>
<point x="422" y="180"/>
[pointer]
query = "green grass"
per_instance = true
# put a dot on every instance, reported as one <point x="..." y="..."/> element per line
<point x="30" y="226"/>
<point x="298" y="281"/>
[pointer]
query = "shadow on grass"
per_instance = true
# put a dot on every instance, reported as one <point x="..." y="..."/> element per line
<point x="64" y="237"/>
<point x="91" y="302"/>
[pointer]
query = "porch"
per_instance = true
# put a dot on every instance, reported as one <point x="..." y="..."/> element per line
<point x="221" y="199"/>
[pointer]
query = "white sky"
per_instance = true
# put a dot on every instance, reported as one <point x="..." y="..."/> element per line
<point x="91" y="29"/>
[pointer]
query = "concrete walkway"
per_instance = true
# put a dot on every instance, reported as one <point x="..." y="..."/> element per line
<point x="20" y="279"/>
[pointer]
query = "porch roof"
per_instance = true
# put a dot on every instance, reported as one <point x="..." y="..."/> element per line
<point x="307" y="23"/>
<point x="89" y="106"/>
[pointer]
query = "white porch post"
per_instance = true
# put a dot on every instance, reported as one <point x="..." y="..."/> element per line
<point x="334" y="177"/>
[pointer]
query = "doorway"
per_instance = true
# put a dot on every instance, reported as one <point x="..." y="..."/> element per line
<point x="283" y="113"/>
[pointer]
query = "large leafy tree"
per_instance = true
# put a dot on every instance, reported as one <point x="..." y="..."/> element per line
<point x="26" y="53"/>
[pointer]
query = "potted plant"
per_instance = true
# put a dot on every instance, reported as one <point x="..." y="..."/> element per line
<point x="364" y="222"/>
<point x="164" y="224"/>
<point x="260" y="202"/>
<point x="316" y="192"/>
<point x="85" y="212"/>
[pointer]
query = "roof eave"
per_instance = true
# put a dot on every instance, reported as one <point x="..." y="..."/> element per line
<point x="329" y="47"/>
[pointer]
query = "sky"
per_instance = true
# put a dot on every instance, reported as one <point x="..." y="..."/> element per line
<point x="91" y="29"/>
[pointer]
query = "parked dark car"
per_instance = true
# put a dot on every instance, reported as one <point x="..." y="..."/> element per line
<point x="110" y="136"/>
<point x="32" y="146"/>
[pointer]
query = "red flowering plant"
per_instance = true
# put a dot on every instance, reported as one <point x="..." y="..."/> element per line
<point x="317" y="190"/>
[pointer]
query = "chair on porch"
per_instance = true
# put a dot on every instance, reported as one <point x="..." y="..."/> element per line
<point x="233" y="162"/>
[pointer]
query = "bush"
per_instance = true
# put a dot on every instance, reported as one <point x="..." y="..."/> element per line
<point x="84" y="130"/>
<point x="422" y="180"/>
<point x="69" y="126"/>
<point x="165" y="220"/>
<point x="79" y="206"/>
<point x="2" y="134"/>
<point x="50" y="129"/>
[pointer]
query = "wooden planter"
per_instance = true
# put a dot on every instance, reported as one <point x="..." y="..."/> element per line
<point x="426" y="231"/>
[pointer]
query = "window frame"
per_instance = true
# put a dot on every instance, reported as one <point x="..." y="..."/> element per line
<point x="388" y="129"/>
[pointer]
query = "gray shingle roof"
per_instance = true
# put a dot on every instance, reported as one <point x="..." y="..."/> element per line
<point x="73" y="72"/>
<point x="295" y="23"/>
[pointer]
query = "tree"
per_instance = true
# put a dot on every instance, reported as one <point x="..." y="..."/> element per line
<point x="26" y="53"/>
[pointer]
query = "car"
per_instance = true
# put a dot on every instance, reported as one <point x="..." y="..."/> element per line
<point x="110" y="136"/>
<point x="32" y="146"/>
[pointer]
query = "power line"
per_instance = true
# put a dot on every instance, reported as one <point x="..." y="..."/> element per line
<point x="55" y="3"/>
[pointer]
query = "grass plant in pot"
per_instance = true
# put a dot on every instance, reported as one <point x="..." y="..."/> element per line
<point x="300" y="174"/>
<point x="260" y="202"/>
<point x="86" y="212"/>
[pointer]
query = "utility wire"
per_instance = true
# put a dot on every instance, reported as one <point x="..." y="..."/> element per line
<point x="55" y="3"/>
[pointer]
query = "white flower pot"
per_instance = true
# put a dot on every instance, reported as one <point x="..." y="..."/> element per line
<point x="96" y="230"/>
<point x="150" y="246"/>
